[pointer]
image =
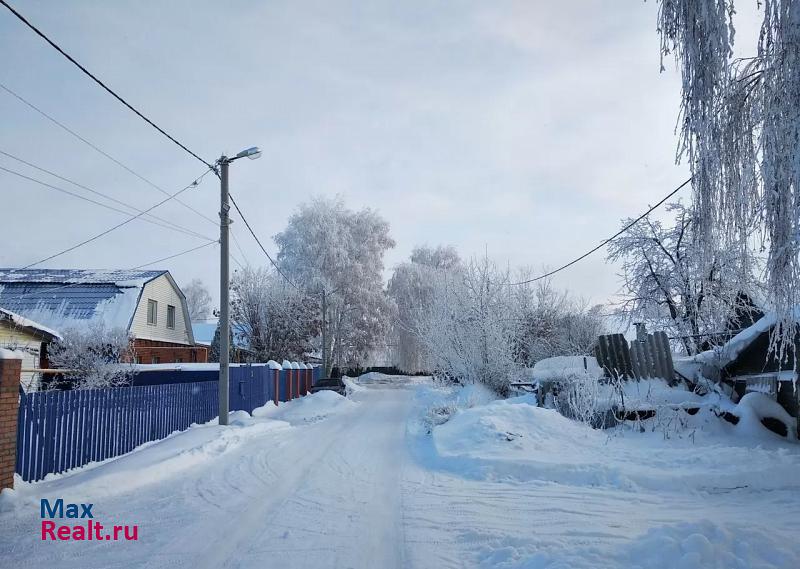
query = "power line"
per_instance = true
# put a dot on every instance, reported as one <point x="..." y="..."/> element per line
<point x="193" y="249"/>
<point x="80" y="197"/>
<point x="607" y="241"/>
<point x="99" y="150"/>
<point x="163" y="222"/>
<point x="271" y="260"/>
<point x="186" y="252"/>
<point x="99" y="82"/>
<point x="194" y="184"/>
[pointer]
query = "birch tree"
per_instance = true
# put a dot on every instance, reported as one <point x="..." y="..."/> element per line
<point x="668" y="284"/>
<point x="740" y="134"/>
<point x="336" y="255"/>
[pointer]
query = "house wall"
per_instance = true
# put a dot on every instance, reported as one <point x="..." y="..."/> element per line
<point x="165" y="293"/>
<point x="167" y="352"/>
<point x="30" y="345"/>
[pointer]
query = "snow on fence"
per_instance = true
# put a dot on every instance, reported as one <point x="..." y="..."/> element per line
<point x="59" y="430"/>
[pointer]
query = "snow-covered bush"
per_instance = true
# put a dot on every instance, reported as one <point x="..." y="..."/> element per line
<point x="93" y="356"/>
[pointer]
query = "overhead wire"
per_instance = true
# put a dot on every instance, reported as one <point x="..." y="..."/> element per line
<point x="605" y="242"/>
<point x="150" y="217"/>
<point x="102" y="152"/>
<point x="194" y="184"/>
<point x="89" y="74"/>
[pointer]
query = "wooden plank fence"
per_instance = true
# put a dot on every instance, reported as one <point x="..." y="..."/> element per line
<point x="60" y="430"/>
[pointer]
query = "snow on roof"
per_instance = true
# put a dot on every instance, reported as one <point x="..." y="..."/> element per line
<point x="22" y="322"/>
<point x="64" y="298"/>
<point x="731" y="350"/>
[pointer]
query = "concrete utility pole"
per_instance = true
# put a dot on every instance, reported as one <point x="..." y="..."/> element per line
<point x="224" y="280"/>
<point x="224" y="292"/>
<point x="324" y="334"/>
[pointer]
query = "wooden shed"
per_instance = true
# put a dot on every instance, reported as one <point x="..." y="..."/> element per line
<point x="31" y="339"/>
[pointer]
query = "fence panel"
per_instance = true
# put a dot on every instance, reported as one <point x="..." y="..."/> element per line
<point x="59" y="430"/>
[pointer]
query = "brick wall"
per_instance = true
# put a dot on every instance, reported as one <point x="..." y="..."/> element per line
<point x="10" y="371"/>
<point x="167" y="353"/>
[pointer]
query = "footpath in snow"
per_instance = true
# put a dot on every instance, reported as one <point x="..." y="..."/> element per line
<point x="408" y="474"/>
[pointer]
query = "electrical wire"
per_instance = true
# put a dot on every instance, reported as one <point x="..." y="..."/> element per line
<point x="271" y="260"/>
<point x="194" y="184"/>
<point x="607" y="241"/>
<point x="99" y="82"/>
<point x="186" y="252"/>
<point x="99" y="150"/>
<point x="161" y="221"/>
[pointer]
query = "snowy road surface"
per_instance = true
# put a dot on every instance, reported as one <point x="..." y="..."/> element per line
<point x="360" y="485"/>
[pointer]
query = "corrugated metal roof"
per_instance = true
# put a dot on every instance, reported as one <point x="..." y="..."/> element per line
<point x="56" y="297"/>
<point x="95" y="276"/>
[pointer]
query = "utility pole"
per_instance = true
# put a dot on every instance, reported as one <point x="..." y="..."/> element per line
<point x="224" y="293"/>
<point x="224" y="280"/>
<point x="324" y="333"/>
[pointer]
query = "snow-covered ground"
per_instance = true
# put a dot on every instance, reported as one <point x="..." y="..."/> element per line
<point x="410" y="474"/>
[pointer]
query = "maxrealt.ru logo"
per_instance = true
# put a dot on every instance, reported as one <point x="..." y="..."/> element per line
<point x="87" y="530"/>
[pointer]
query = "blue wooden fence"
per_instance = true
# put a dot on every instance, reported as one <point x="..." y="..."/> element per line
<point x="59" y="430"/>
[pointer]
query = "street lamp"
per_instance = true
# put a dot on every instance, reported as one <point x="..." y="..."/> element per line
<point x="224" y="293"/>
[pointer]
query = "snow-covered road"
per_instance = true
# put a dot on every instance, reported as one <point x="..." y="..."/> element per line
<point x="363" y="487"/>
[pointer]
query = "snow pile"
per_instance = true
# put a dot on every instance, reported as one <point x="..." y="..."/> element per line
<point x="515" y="440"/>
<point x="697" y="545"/>
<point x="754" y="407"/>
<point x="308" y="409"/>
<point x="351" y="387"/>
<point x="151" y="462"/>
<point x="565" y="368"/>
<point x="706" y="545"/>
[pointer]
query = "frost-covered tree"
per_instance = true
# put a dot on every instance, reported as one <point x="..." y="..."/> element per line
<point x="670" y="285"/>
<point x="740" y="133"/>
<point x="547" y="322"/>
<point x="198" y="299"/>
<point x="411" y="290"/>
<point x="336" y="255"/>
<point x="465" y="328"/>
<point x="93" y="357"/>
<point x="275" y="320"/>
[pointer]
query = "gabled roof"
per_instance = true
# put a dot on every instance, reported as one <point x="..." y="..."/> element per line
<point x="63" y="298"/>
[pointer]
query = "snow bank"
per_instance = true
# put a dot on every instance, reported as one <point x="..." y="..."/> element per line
<point x="308" y="409"/>
<point x="515" y="440"/>
<point x="704" y="545"/>
<point x="151" y="462"/>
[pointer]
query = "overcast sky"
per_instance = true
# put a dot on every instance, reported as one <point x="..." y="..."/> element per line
<point x="525" y="129"/>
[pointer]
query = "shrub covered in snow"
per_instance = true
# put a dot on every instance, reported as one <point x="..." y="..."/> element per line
<point x="93" y="357"/>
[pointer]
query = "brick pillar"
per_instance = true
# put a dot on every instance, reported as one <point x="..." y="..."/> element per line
<point x="9" y="407"/>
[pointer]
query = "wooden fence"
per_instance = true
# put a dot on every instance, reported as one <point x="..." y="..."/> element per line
<point x="59" y="430"/>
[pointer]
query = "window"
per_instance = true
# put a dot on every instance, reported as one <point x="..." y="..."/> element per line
<point x="178" y="360"/>
<point x="137" y="360"/>
<point x="155" y="360"/>
<point x="170" y="316"/>
<point x="152" y="312"/>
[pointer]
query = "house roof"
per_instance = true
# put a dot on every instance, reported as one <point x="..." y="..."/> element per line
<point x="28" y="325"/>
<point x="63" y="298"/>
